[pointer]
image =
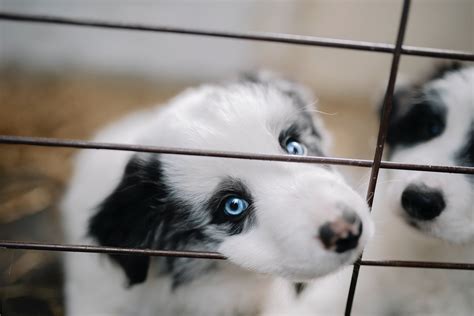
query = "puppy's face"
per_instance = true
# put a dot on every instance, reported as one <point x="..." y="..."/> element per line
<point x="295" y="220"/>
<point x="434" y="124"/>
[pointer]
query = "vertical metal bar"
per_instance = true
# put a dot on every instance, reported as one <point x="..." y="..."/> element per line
<point x="387" y="107"/>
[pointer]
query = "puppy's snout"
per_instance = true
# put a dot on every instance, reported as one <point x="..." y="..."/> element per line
<point x="422" y="202"/>
<point x="342" y="234"/>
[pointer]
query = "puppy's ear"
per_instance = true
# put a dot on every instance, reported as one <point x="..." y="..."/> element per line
<point x="130" y="215"/>
<point x="300" y="95"/>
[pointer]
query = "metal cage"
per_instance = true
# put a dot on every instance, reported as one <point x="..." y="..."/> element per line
<point x="396" y="50"/>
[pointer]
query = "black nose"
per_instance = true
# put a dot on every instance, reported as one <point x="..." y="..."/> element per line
<point x="342" y="234"/>
<point x="422" y="202"/>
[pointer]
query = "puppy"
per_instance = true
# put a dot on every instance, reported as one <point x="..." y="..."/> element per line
<point x="434" y="124"/>
<point x="422" y="216"/>
<point x="291" y="220"/>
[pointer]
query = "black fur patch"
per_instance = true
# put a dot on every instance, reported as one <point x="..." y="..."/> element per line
<point x="130" y="215"/>
<point x="299" y="287"/>
<point x="415" y="111"/>
<point x="142" y="212"/>
<point x="415" y="118"/>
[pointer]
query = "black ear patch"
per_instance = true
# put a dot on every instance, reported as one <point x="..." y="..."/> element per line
<point x="129" y="216"/>
<point x="416" y="117"/>
<point x="143" y="212"/>
<point x="418" y="114"/>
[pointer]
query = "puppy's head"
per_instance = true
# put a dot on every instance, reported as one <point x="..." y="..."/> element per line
<point x="433" y="123"/>
<point x="295" y="220"/>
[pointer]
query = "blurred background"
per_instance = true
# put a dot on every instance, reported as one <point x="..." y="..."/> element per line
<point x="64" y="81"/>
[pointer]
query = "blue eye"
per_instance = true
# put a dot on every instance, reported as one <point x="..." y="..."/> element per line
<point x="235" y="206"/>
<point x="295" y="148"/>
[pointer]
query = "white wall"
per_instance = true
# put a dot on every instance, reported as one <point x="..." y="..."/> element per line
<point x="432" y="23"/>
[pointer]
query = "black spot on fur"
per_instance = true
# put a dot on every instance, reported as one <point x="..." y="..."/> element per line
<point x="415" y="118"/>
<point x="299" y="287"/>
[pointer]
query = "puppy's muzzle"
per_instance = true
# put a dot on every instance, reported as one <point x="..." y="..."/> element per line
<point x="342" y="234"/>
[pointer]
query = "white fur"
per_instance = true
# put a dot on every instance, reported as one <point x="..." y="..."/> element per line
<point x="292" y="201"/>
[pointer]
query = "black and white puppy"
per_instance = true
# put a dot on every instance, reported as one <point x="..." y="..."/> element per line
<point x="433" y="124"/>
<point x="292" y="220"/>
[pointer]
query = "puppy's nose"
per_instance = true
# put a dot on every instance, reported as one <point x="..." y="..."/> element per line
<point x="342" y="234"/>
<point x="422" y="202"/>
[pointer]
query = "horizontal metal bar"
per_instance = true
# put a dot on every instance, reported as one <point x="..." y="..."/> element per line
<point x="254" y="36"/>
<point x="109" y="250"/>
<point x="22" y="245"/>
<point x="418" y="264"/>
<point x="437" y="53"/>
<point x="73" y="143"/>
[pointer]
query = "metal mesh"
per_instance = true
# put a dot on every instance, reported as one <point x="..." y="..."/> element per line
<point x="396" y="50"/>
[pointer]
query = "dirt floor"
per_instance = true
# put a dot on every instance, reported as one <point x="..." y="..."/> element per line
<point x="74" y="106"/>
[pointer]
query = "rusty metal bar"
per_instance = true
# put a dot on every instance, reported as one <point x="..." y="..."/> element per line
<point x="109" y="250"/>
<point x="418" y="264"/>
<point x="398" y="49"/>
<point x="254" y="36"/>
<point x="23" y="245"/>
<point x="74" y="143"/>
<point x="386" y="109"/>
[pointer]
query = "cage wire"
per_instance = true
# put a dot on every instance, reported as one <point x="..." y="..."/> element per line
<point x="376" y="164"/>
